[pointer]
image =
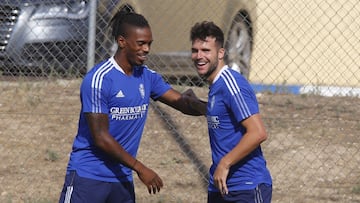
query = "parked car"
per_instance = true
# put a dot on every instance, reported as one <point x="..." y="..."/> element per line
<point x="38" y="34"/>
<point x="41" y="34"/>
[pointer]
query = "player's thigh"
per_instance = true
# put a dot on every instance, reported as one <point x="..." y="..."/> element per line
<point x="122" y="192"/>
<point x="79" y="189"/>
<point x="261" y="194"/>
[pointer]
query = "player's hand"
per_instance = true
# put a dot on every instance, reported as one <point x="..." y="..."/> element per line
<point x="190" y="93"/>
<point x="152" y="181"/>
<point x="194" y="102"/>
<point x="220" y="176"/>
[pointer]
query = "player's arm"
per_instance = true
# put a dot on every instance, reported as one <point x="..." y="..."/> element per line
<point x="99" y="125"/>
<point x="187" y="102"/>
<point x="254" y="136"/>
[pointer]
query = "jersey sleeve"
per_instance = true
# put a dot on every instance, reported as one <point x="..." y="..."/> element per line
<point x="241" y="99"/>
<point x="159" y="86"/>
<point x="93" y="95"/>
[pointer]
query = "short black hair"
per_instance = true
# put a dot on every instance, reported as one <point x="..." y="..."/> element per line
<point x="123" y="19"/>
<point x="204" y="29"/>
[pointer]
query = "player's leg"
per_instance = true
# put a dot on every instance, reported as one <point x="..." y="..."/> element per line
<point x="215" y="197"/>
<point x="261" y="194"/>
<point x="264" y="192"/>
<point x="122" y="192"/>
<point x="79" y="189"/>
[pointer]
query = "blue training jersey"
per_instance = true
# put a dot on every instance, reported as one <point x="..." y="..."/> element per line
<point x="125" y="99"/>
<point x="231" y="100"/>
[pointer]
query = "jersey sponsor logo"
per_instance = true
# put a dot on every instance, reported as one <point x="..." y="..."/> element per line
<point x="120" y="94"/>
<point x="213" y="121"/>
<point x="128" y="113"/>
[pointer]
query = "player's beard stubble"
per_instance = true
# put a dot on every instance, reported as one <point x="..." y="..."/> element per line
<point x="212" y="68"/>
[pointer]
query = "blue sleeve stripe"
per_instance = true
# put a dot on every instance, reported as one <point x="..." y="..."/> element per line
<point x="234" y="89"/>
<point x="96" y="85"/>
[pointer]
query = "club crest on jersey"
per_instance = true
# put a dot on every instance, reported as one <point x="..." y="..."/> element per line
<point x="142" y="90"/>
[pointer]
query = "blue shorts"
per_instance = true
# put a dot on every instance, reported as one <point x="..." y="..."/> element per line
<point x="78" y="189"/>
<point x="261" y="194"/>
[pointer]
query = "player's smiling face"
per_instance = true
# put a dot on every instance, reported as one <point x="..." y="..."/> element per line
<point x="205" y="55"/>
<point x="138" y="43"/>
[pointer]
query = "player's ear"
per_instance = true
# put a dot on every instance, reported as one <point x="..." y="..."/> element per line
<point x="221" y="53"/>
<point x="121" y="41"/>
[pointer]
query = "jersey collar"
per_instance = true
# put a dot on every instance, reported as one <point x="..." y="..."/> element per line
<point x="116" y="65"/>
<point x="219" y="73"/>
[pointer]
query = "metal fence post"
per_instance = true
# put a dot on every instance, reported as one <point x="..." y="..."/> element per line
<point x="91" y="35"/>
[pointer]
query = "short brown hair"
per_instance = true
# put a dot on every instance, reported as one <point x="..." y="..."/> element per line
<point x="204" y="29"/>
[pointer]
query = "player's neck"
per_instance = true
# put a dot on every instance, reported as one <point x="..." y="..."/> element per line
<point x="124" y="64"/>
<point x="213" y="75"/>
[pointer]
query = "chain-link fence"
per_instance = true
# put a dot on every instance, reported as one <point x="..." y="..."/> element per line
<point x="302" y="57"/>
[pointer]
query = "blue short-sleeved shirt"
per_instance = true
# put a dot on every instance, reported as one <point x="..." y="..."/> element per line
<point x="231" y="100"/>
<point x="125" y="99"/>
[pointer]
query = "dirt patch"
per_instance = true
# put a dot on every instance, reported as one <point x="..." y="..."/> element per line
<point x="313" y="150"/>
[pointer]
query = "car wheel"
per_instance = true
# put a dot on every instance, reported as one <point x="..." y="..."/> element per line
<point x="239" y="45"/>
